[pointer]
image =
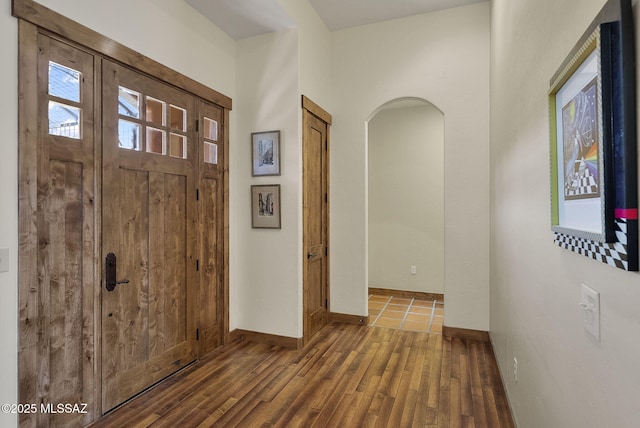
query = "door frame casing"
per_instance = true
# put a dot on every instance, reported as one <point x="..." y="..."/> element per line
<point x="34" y="19"/>
<point x="314" y="109"/>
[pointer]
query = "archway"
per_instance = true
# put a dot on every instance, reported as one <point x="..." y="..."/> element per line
<point x="405" y="205"/>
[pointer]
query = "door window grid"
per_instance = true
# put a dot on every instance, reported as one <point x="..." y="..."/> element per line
<point x="162" y="128"/>
<point x="64" y="111"/>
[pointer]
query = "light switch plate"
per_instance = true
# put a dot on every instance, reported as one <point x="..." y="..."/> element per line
<point x="590" y="304"/>
<point x="4" y="260"/>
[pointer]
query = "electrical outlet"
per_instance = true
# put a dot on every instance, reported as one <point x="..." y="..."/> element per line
<point x="515" y="369"/>
<point x="4" y="260"/>
<point x="590" y="304"/>
<point x="413" y="270"/>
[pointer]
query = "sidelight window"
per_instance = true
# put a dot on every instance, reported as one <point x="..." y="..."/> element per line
<point x="210" y="141"/>
<point x="65" y="114"/>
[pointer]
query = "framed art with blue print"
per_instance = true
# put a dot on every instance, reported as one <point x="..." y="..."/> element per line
<point x="592" y="119"/>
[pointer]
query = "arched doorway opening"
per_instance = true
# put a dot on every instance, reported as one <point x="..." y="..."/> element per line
<point x="406" y="215"/>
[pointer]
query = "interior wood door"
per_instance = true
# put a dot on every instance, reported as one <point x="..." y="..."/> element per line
<point x="148" y="231"/>
<point x="315" y="222"/>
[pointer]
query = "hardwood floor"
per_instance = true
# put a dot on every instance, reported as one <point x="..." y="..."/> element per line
<point x="348" y="376"/>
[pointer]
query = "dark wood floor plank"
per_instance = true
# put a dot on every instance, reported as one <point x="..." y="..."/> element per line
<point x="344" y="403"/>
<point x="404" y="403"/>
<point x="364" y="403"/>
<point x="276" y="407"/>
<point x="477" y="394"/>
<point x="504" y="412"/>
<point x="383" y="365"/>
<point x="399" y="370"/>
<point x="335" y="405"/>
<point x="434" y="381"/>
<point x="346" y="376"/>
<point x="444" y="405"/>
<point x="385" y="412"/>
<point x="465" y="386"/>
<point x="455" y="409"/>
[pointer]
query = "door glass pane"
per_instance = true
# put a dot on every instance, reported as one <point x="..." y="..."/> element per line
<point x="128" y="135"/>
<point x="156" y="139"/>
<point x="178" y="146"/>
<point x="64" y="120"/>
<point x="64" y="82"/>
<point x="210" y="153"/>
<point x="129" y="103"/>
<point x="178" y="118"/>
<point x="210" y="129"/>
<point x="156" y="111"/>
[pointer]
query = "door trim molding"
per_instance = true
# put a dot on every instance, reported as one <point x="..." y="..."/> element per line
<point x="316" y="110"/>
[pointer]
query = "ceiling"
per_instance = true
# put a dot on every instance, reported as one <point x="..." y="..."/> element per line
<point x="341" y="14"/>
<point x="247" y="18"/>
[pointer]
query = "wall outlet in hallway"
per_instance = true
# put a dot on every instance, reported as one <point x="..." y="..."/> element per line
<point x="413" y="270"/>
<point x="515" y="369"/>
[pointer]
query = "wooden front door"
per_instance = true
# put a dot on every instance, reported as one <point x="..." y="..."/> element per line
<point x="148" y="229"/>
<point x="110" y="162"/>
<point x="315" y="146"/>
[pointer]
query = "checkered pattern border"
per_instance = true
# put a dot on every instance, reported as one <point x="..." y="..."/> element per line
<point x="614" y="254"/>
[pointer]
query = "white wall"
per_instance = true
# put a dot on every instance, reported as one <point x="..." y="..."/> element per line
<point x="9" y="211"/>
<point x="274" y="70"/>
<point x="565" y="378"/>
<point x="406" y="198"/>
<point x="442" y="57"/>
<point x="266" y="288"/>
<point x="314" y="52"/>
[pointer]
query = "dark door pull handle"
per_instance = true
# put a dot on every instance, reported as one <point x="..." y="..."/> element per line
<point x="309" y="255"/>
<point x="111" y="273"/>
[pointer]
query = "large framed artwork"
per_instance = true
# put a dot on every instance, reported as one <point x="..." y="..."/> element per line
<point x="265" y="153"/>
<point x="593" y="142"/>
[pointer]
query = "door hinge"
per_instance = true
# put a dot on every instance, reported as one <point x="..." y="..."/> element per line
<point x="197" y="265"/>
<point x="197" y="125"/>
<point x="197" y="194"/>
<point x="197" y="334"/>
<point x="326" y="198"/>
<point x="326" y="251"/>
<point x="326" y="303"/>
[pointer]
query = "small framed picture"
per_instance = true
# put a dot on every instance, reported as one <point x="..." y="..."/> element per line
<point x="265" y="206"/>
<point x="265" y="153"/>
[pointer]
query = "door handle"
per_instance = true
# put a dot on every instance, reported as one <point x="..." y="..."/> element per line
<point x="111" y="273"/>
<point x="309" y="255"/>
